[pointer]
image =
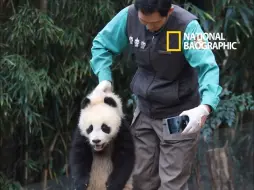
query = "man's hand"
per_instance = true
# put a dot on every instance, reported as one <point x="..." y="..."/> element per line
<point x="98" y="94"/>
<point x="104" y="86"/>
<point x="197" y="116"/>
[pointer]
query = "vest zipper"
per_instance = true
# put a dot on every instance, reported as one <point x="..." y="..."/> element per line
<point x="150" y="109"/>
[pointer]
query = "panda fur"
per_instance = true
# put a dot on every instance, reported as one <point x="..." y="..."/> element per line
<point x="107" y="166"/>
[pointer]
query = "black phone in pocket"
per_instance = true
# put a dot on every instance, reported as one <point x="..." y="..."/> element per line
<point x="177" y="124"/>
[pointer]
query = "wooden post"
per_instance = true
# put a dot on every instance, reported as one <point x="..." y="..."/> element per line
<point x="220" y="168"/>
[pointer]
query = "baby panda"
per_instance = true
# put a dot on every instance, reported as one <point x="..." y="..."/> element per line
<point x="102" y="152"/>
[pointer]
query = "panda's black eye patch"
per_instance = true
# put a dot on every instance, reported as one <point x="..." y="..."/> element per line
<point x="105" y="128"/>
<point x="90" y="129"/>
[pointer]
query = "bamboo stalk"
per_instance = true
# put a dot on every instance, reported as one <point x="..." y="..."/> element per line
<point x="48" y="157"/>
<point x="26" y="158"/>
<point x="43" y="5"/>
<point x="13" y="7"/>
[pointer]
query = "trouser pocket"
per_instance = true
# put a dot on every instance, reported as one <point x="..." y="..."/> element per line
<point x="177" y="153"/>
<point x="168" y="137"/>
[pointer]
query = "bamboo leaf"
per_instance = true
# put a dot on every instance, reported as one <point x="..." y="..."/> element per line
<point x="246" y="20"/>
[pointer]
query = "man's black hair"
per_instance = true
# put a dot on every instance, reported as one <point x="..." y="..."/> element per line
<point x="150" y="6"/>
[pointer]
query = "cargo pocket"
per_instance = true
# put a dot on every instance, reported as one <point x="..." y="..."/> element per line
<point x="177" y="137"/>
<point x="177" y="153"/>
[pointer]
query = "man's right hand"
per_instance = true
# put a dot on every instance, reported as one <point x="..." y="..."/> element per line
<point x="104" y="86"/>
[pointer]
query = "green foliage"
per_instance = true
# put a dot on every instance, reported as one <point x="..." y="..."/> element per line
<point x="227" y="112"/>
<point x="7" y="184"/>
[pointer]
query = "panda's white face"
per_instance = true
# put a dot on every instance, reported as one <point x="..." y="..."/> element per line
<point x="100" y="123"/>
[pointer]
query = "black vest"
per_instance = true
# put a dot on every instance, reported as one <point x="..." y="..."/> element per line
<point x="165" y="84"/>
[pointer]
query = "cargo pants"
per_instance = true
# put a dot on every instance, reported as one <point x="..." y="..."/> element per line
<point x="163" y="160"/>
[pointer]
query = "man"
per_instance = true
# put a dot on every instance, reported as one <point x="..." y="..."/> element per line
<point x="166" y="84"/>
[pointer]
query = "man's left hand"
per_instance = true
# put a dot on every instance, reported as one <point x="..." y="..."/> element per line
<point x="197" y="117"/>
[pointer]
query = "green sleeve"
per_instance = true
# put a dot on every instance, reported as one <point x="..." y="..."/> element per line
<point x="111" y="40"/>
<point x="208" y="71"/>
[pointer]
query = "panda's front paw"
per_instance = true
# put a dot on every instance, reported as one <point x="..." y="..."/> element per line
<point x="80" y="184"/>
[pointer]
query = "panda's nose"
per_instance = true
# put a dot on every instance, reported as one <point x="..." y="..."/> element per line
<point x="96" y="141"/>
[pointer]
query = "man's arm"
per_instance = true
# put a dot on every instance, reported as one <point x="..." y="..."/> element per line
<point x="208" y="71"/>
<point x="111" y="40"/>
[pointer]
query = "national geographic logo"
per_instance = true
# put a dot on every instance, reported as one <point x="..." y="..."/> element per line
<point x="212" y="41"/>
<point x="173" y="49"/>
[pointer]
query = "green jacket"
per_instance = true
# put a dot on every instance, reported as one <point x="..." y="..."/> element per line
<point x="112" y="40"/>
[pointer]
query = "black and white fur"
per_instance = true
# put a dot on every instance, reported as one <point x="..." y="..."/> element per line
<point x="102" y="153"/>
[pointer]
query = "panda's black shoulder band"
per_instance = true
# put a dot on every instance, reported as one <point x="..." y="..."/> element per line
<point x="110" y="101"/>
<point x="84" y="102"/>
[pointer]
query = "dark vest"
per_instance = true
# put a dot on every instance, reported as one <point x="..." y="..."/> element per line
<point x="165" y="84"/>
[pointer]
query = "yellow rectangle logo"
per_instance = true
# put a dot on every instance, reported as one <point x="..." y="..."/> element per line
<point x="168" y="41"/>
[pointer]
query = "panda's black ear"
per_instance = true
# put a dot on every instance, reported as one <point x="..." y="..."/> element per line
<point x="110" y="101"/>
<point x="84" y="102"/>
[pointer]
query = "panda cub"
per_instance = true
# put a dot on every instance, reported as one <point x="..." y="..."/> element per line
<point x="102" y="153"/>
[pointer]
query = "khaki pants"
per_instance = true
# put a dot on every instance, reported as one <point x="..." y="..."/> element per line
<point x="163" y="160"/>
